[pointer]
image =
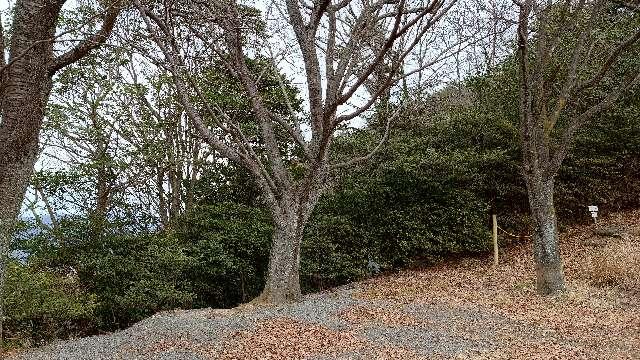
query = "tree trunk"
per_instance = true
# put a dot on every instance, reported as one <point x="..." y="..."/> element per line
<point x="549" y="269"/>
<point x="283" y="276"/>
<point x="25" y="90"/>
<point x="98" y="216"/>
<point x="162" y="202"/>
<point x="25" y="87"/>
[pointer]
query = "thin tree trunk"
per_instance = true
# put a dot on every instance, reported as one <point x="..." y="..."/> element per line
<point x="195" y="159"/>
<point x="162" y="202"/>
<point x="549" y="269"/>
<point x="174" y="165"/>
<point x="103" y="192"/>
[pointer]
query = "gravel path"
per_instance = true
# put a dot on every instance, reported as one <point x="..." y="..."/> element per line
<point x="182" y="335"/>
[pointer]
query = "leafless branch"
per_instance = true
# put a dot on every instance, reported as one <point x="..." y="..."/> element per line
<point x="174" y="65"/>
<point x="373" y="151"/>
<point x="611" y="59"/>
<point x="564" y="143"/>
<point x="3" y="60"/>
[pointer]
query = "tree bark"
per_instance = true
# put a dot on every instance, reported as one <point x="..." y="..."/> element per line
<point x="162" y="202"/>
<point x="549" y="268"/>
<point x="283" y="276"/>
<point x="25" y="86"/>
<point x="266" y="156"/>
<point x="26" y="89"/>
<point x="104" y="181"/>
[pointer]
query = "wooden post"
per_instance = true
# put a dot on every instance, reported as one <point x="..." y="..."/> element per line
<point x="495" y="240"/>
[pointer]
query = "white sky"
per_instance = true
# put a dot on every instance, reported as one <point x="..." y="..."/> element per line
<point x="291" y="63"/>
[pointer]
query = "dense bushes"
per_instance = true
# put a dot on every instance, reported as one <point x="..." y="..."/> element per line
<point x="603" y="167"/>
<point x="600" y="168"/>
<point x="228" y="245"/>
<point x="428" y="193"/>
<point x="130" y="274"/>
<point x="134" y="276"/>
<point x="40" y="306"/>
<point x="217" y="255"/>
<point x="214" y="256"/>
<point x="393" y="215"/>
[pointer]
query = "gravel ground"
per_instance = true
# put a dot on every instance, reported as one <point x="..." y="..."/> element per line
<point x="181" y="335"/>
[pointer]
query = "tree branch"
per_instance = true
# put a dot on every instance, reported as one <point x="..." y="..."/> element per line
<point x="578" y="121"/>
<point x="395" y="33"/>
<point x="234" y="43"/>
<point x="611" y="59"/>
<point x="3" y="60"/>
<point x="397" y="63"/>
<point x="377" y="148"/>
<point x="525" y="78"/>
<point x="92" y="42"/>
<point x="294" y="131"/>
<point x="47" y="204"/>
<point x="628" y="5"/>
<point x="306" y="42"/>
<point x="174" y="63"/>
<point x="316" y="15"/>
<point x="572" y="73"/>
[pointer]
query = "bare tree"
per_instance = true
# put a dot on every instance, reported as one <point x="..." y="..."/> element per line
<point x="563" y="56"/>
<point x="345" y="47"/>
<point x="129" y="144"/>
<point x="25" y="85"/>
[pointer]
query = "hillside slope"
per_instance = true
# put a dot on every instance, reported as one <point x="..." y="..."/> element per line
<point x="464" y="309"/>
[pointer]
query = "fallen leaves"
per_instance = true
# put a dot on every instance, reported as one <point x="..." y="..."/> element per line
<point x="589" y="322"/>
<point x="469" y="309"/>
<point x="283" y="338"/>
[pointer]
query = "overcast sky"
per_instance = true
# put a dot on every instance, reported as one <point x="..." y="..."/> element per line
<point x="291" y="64"/>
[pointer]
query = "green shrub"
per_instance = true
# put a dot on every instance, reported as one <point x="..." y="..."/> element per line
<point x="42" y="305"/>
<point x="394" y="214"/>
<point x="229" y="249"/>
<point x="428" y="193"/>
<point x="131" y="274"/>
<point x="134" y="276"/>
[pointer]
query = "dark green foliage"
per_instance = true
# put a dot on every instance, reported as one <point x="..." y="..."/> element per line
<point x="229" y="248"/>
<point x="227" y="183"/>
<point x="214" y="256"/>
<point x="394" y="214"/>
<point x="135" y="276"/>
<point x="603" y="167"/>
<point x="599" y="169"/>
<point x="131" y="273"/>
<point x="428" y="193"/>
<point x="399" y="229"/>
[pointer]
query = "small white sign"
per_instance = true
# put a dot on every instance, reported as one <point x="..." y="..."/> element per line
<point x="594" y="211"/>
